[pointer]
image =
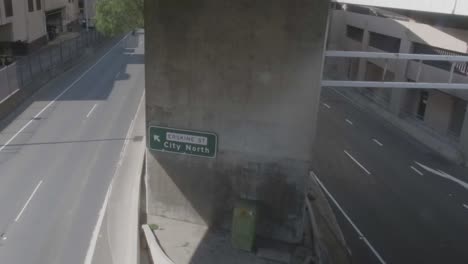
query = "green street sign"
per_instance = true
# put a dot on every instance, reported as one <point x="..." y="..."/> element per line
<point x="181" y="141"/>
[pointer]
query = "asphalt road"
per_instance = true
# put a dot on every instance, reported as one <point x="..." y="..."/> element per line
<point x="59" y="154"/>
<point x="410" y="204"/>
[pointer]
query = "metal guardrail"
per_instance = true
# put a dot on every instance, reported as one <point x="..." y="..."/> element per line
<point x="453" y="59"/>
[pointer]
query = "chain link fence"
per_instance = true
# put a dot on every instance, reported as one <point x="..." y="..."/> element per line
<point x="46" y="63"/>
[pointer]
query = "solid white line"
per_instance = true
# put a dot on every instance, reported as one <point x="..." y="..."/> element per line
<point x="327" y="106"/>
<point x="90" y="111"/>
<point x="466" y="206"/>
<point x="357" y="162"/>
<point x="27" y="202"/>
<point x="349" y="122"/>
<point x="416" y="170"/>
<point x="102" y="211"/>
<point x="444" y="175"/>
<point x="59" y="96"/>
<point x="360" y="234"/>
<point x="377" y="142"/>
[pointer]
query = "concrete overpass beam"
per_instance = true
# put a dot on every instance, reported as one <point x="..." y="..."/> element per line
<point x="248" y="71"/>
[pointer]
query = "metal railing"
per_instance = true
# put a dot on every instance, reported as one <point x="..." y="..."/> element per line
<point x="452" y="59"/>
<point x="46" y="63"/>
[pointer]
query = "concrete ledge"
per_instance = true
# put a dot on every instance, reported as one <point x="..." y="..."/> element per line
<point x="157" y="254"/>
<point x="8" y="104"/>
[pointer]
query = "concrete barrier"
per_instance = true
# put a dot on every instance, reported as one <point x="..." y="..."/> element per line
<point x="157" y="253"/>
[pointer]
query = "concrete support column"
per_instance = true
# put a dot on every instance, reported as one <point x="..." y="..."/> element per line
<point x="249" y="72"/>
<point x="399" y="96"/>
<point x="362" y="68"/>
<point x="464" y="137"/>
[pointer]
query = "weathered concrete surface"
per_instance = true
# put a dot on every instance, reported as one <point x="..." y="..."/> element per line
<point x="250" y="72"/>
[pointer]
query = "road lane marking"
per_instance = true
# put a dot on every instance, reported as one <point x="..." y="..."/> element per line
<point x="60" y="95"/>
<point x="360" y="234"/>
<point x="377" y="142"/>
<point x="349" y="122"/>
<point x="357" y="162"/>
<point x="416" y="170"/>
<point x="444" y="175"/>
<point x="27" y="202"/>
<point x="102" y="211"/>
<point x="465" y="206"/>
<point x="326" y="105"/>
<point x="90" y="111"/>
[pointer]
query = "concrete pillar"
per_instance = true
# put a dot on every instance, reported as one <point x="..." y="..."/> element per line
<point x="362" y="68"/>
<point x="249" y="72"/>
<point x="464" y="137"/>
<point x="399" y="96"/>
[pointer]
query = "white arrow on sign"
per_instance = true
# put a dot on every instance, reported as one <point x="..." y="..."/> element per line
<point x="444" y="175"/>
<point x="156" y="138"/>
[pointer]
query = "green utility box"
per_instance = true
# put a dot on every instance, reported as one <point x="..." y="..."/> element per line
<point x="243" y="225"/>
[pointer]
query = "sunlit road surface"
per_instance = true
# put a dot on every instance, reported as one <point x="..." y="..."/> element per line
<point x="59" y="155"/>
<point x="410" y="205"/>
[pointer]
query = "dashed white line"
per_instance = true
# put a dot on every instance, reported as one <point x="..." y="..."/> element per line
<point x="91" y="111"/>
<point x="465" y="206"/>
<point x="377" y="142"/>
<point x="360" y="234"/>
<point x="59" y="96"/>
<point x="326" y="105"/>
<point x="416" y="170"/>
<point x="357" y="162"/>
<point x="27" y="202"/>
<point x="349" y="122"/>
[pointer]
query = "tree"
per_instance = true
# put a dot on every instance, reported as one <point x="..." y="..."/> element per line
<point x="118" y="16"/>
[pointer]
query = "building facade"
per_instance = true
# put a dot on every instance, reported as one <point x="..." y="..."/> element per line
<point x="62" y="15"/>
<point x="26" y="25"/>
<point x="440" y="114"/>
<point x="21" y="21"/>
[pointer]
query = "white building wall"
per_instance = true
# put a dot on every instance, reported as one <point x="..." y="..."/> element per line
<point x="70" y="10"/>
<point x="27" y="26"/>
<point x="439" y="111"/>
<point x="458" y="7"/>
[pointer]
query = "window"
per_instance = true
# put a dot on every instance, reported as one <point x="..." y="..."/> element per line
<point x="31" y="5"/>
<point x="38" y="4"/>
<point x="8" y="8"/>
<point x="384" y="42"/>
<point x="354" y="33"/>
<point x="423" y="97"/>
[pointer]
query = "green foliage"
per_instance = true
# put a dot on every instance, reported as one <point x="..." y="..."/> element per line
<point x="118" y="16"/>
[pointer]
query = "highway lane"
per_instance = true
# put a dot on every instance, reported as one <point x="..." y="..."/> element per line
<point x="58" y="157"/>
<point x="406" y="200"/>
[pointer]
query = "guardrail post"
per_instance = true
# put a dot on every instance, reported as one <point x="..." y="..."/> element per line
<point x="51" y="52"/>
<point x="40" y="61"/>
<point x="61" y="52"/>
<point x="8" y="79"/>
<point x="30" y="68"/>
